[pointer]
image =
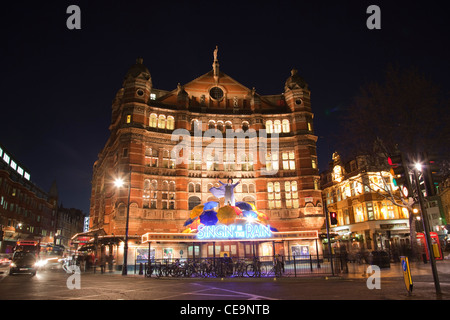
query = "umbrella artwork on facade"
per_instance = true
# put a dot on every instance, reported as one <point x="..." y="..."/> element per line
<point x="210" y="213"/>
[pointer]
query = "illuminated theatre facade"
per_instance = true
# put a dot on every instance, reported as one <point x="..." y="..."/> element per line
<point x="281" y="179"/>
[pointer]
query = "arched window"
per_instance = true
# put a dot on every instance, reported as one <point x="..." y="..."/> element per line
<point x="153" y="193"/>
<point x="151" y="157"/>
<point x="245" y="126"/>
<point x="193" y="201"/>
<point x="191" y="187"/>
<point x="121" y="210"/>
<point x="277" y="126"/>
<point x="153" y="120"/>
<point x="170" y="123"/>
<point x="211" y="124"/>
<point x="146" y="194"/>
<point x="162" y="121"/>
<point x="285" y="125"/>
<point x="269" y="126"/>
<point x="194" y="125"/>
<point x="198" y="187"/>
<point x="220" y="126"/>
<point x="251" y="188"/>
<point x="228" y="125"/>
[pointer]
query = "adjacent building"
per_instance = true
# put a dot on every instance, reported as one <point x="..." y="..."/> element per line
<point x="362" y="193"/>
<point x="26" y="211"/>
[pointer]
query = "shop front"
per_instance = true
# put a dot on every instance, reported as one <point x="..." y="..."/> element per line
<point x="236" y="241"/>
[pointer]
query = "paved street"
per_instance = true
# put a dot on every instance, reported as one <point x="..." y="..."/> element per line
<point x="52" y="285"/>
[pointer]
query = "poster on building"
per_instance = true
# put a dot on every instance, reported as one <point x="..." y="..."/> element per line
<point x="168" y="253"/>
<point x="300" y="251"/>
<point x="142" y="255"/>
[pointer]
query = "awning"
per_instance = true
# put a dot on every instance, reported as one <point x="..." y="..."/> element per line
<point x="86" y="247"/>
<point x="90" y="233"/>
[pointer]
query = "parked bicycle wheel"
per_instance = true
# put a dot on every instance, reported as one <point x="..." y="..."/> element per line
<point x="149" y="271"/>
<point x="251" y="270"/>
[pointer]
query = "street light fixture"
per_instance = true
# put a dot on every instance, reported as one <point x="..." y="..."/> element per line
<point x="119" y="183"/>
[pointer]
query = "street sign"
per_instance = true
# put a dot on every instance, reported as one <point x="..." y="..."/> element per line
<point x="406" y="274"/>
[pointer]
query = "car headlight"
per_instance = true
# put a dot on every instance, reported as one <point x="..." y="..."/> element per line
<point x="41" y="263"/>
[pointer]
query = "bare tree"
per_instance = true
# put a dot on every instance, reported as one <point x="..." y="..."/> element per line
<point x="406" y="111"/>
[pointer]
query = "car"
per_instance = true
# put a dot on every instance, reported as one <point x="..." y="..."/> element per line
<point x="5" y="259"/>
<point x="23" y="262"/>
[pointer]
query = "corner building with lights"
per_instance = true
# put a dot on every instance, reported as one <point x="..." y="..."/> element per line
<point x="162" y="191"/>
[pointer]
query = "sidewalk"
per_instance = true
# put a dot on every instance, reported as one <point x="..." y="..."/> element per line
<point x="419" y="268"/>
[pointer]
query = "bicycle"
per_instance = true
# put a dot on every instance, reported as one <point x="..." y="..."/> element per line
<point x="255" y="269"/>
<point x="239" y="268"/>
<point x="276" y="270"/>
<point x="149" y="270"/>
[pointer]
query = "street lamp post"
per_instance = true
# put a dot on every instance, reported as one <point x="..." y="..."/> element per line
<point x="426" y="231"/>
<point x="119" y="183"/>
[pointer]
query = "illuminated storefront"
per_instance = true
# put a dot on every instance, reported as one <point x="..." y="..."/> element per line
<point x="367" y="219"/>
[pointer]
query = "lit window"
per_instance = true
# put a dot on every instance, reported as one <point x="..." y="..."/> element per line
<point x="195" y="162"/>
<point x="13" y="164"/>
<point x="6" y="158"/>
<point x="170" y="123"/>
<point x="247" y="162"/>
<point x="274" y="195"/>
<point x="153" y="194"/>
<point x="277" y="126"/>
<point x="128" y="118"/>
<point x="152" y="96"/>
<point x="288" y="160"/>
<point x="194" y="125"/>
<point x="151" y="157"/>
<point x="291" y="194"/>
<point x="146" y="194"/>
<point x="272" y="161"/>
<point x="229" y="162"/>
<point x="212" y="162"/>
<point x="269" y="126"/>
<point x="26" y="175"/>
<point x="285" y="124"/>
<point x="162" y="121"/>
<point x="169" y="159"/>
<point x="153" y="120"/>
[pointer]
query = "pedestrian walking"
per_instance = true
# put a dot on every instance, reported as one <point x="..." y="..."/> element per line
<point x="102" y="263"/>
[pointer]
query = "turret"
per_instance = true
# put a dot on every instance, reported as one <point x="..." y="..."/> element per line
<point x="296" y="93"/>
<point x="137" y="83"/>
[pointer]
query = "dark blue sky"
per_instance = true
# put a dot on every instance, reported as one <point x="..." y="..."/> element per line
<point x="57" y="84"/>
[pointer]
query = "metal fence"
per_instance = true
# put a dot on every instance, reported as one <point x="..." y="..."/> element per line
<point x="257" y="267"/>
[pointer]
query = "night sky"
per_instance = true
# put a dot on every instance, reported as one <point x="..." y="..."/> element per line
<point x="57" y="84"/>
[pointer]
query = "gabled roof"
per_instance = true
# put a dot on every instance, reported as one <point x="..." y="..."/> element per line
<point x="200" y="86"/>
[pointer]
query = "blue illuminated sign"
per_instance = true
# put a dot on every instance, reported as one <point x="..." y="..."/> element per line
<point x="239" y="231"/>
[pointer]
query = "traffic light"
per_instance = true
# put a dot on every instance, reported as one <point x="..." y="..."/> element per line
<point x="333" y="218"/>
<point x="397" y="170"/>
<point x="431" y="176"/>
